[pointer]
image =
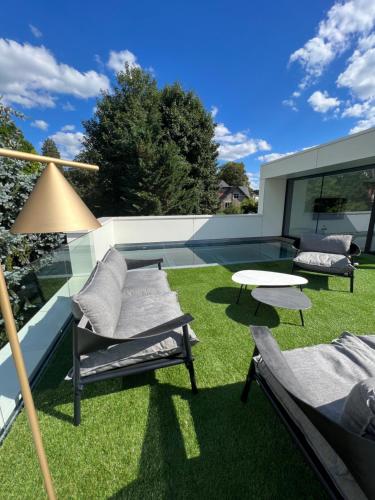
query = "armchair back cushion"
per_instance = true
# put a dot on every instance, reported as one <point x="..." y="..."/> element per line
<point x="330" y="243"/>
<point x="358" y="415"/>
<point x="117" y="264"/>
<point x="100" y="301"/>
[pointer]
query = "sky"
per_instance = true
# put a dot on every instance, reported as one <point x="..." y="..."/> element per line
<point x="277" y="77"/>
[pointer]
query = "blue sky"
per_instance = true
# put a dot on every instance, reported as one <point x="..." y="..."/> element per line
<point x="278" y="76"/>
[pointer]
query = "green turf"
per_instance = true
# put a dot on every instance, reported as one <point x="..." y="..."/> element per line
<point x="154" y="439"/>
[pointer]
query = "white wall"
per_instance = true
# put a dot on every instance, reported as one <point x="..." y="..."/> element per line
<point x="186" y="227"/>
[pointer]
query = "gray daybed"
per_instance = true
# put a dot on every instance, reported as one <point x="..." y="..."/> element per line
<point x="325" y="396"/>
<point x="328" y="254"/>
<point x="127" y="322"/>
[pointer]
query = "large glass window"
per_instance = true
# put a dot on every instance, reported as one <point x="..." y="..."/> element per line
<point x="331" y="203"/>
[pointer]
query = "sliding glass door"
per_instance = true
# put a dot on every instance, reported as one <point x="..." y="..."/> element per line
<point x="334" y="203"/>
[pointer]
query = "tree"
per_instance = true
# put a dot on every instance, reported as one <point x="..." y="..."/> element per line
<point x="146" y="165"/>
<point x="234" y="174"/>
<point x="17" y="179"/>
<point x="249" y="205"/>
<point x="49" y="148"/>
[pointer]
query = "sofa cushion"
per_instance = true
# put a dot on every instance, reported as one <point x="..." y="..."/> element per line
<point x="139" y="314"/>
<point x="136" y="351"/>
<point x="117" y="264"/>
<point x="328" y="262"/>
<point x="358" y="415"/>
<point x="100" y="301"/>
<point x="76" y="310"/>
<point x="330" y="243"/>
<point x="145" y="282"/>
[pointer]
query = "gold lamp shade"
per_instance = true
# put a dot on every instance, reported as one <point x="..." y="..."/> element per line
<point x="54" y="207"/>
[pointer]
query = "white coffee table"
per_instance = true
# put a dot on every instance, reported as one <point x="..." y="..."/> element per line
<point x="266" y="278"/>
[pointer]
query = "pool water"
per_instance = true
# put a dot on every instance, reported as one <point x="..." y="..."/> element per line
<point x="209" y="253"/>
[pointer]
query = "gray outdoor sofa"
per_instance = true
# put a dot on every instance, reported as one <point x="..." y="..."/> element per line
<point x="327" y="254"/>
<point x="325" y="395"/>
<point x="127" y="321"/>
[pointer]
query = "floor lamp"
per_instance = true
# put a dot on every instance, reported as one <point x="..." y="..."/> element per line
<point x="52" y="207"/>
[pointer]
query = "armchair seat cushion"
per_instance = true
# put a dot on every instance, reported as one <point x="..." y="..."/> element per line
<point x="328" y="262"/>
<point x="139" y="314"/>
<point x="135" y="352"/>
<point x="145" y="282"/>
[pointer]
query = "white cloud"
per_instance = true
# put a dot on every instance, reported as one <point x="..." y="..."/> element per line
<point x="290" y="103"/>
<point x="30" y="76"/>
<point x="359" y="75"/>
<point x="274" y="156"/>
<point x="67" y="106"/>
<point x="214" y="111"/>
<point x="344" y="21"/>
<point x="235" y="146"/>
<point x="35" y="31"/>
<point x="355" y="110"/>
<point x="117" y="60"/>
<point x="68" y="128"/>
<point x="68" y="143"/>
<point x="253" y="179"/>
<point x="41" y="124"/>
<point x="321" y="102"/>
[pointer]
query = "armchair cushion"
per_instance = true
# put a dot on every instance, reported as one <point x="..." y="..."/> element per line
<point x="331" y="243"/>
<point x="134" y="352"/>
<point x="145" y="282"/>
<point x="117" y="264"/>
<point x="100" y="301"/>
<point x="359" y="409"/>
<point x="329" y="262"/>
<point x="139" y="314"/>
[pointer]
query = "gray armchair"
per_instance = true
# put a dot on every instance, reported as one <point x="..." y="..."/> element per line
<point x="328" y="254"/>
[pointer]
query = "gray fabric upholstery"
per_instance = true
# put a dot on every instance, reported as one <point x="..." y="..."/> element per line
<point x="330" y="243"/>
<point x="145" y="282"/>
<point x="136" y="351"/>
<point x="76" y="310"/>
<point x="359" y="410"/>
<point x="117" y="264"/>
<point x="329" y="262"/>
<point x="327" y="372"/>
<point x="139" y="314"/>
<point x="100" y="301"/>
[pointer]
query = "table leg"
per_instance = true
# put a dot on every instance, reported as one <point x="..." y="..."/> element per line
<point x="239" y="295"/>
<point x="256" y="310"/>
<point x="302" y="321"/>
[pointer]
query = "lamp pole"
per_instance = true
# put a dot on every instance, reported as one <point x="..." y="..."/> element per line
<point x="10" y="327"/>
<point x="53" y="206"/>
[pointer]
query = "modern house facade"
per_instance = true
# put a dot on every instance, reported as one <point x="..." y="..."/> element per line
<point x="232" y="195"/>
<point x="325" y="189"/>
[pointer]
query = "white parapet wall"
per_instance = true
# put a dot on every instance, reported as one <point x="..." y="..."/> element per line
<point x="185" y="228"/>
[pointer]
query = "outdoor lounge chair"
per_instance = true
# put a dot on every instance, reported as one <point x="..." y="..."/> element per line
<point x="319" y="393"/>
<point x="328" y="254"/>
<point x="127" y="323"/>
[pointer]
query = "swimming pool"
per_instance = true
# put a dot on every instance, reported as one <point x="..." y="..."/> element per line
<point x="201" y="253"/>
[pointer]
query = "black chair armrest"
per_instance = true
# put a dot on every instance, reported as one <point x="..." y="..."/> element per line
<point x="138" y="263"/>
<point x="354" y="250"/>
<point x="296" y="244"/>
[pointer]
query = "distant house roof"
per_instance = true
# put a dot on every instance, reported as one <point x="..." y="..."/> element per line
<point x="245" y="190"/>
<point x="225" y="187"/>
<point x="223" y="184"/>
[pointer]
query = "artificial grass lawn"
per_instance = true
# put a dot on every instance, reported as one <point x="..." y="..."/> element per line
<point x="155" y="439"/>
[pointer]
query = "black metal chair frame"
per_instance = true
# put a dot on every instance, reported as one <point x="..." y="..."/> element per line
<point x="86" y="341"/>
<point x="354" y="251"/>
<point x="342" y="441"/>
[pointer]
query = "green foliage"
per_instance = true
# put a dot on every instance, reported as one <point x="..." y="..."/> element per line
<point x="249" y="205"/>
<point x="17" y="180"/>
<point x="155" y="150"/>
<point x="234" y="208"/>
<point x="234" y="174"/>
<point x="49" y="148"/>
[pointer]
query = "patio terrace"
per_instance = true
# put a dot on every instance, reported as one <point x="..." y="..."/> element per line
<point x="151" y="438"/>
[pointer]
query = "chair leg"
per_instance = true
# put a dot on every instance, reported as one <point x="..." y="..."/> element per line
<point x="257" y="309"/>
<point x="239" y="295"/>
<point x="190" y="367"/>
<point x="250" y="377"/>
<point x="77" y="404"/>
<point x="352" y="283"/>
<point x="302" y="320"/>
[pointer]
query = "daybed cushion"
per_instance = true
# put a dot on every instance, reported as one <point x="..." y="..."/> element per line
<point x="329" y="262"/>
<point x="100" y="301"/>
<point x="359" y="410"/>
<point x="117" y="264"/>
<point x="145" y="282"/>
<point x="331" y="243"/>
<point x="139" y="314"/>
<point x="136" y="351"/>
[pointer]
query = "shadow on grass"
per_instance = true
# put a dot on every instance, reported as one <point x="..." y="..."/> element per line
<point x="227" y="450"/>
